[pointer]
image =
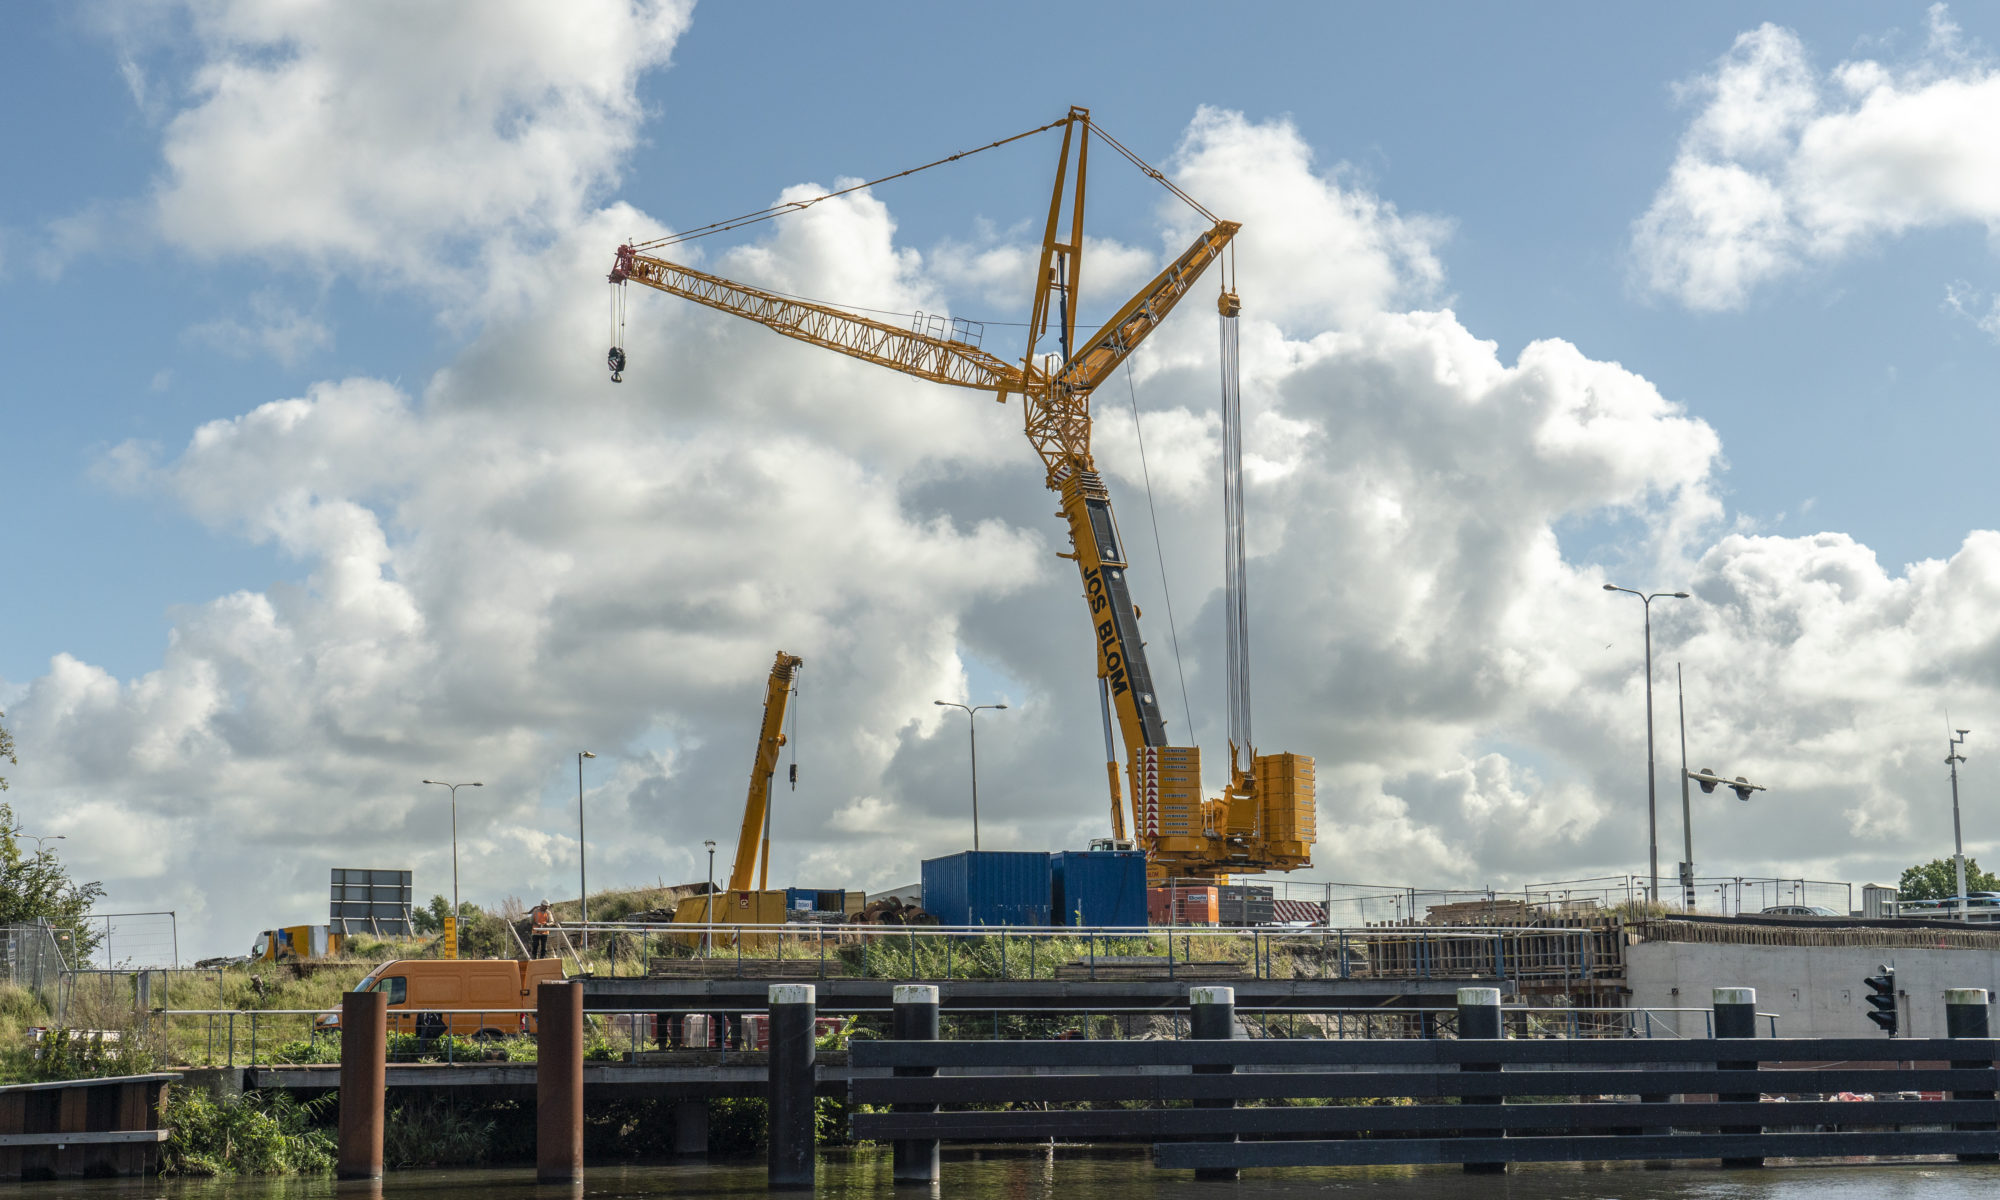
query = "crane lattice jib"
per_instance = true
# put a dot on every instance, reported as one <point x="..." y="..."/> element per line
<point x="926" y="357"/>
<point x="1058" y="416"/>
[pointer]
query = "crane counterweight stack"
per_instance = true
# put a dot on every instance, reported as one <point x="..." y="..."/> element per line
<point x="1264" y="821"/>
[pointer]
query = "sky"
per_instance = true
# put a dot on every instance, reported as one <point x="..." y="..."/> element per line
<point x="318" y="488"/>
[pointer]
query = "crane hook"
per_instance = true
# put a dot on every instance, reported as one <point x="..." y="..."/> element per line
<point x="616" y="360"/>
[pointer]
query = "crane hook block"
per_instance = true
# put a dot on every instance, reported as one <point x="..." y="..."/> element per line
<point x="616" y="360"/>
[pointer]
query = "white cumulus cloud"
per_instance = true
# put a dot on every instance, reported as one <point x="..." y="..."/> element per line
<point x="1786" y="166"/>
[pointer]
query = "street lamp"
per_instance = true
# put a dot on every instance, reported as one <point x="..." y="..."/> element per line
<point x="972" y="727"/>
<point x="708" y="934"/>
<point x="582" y="884"/>
<point x="1652" y="797"/>
<point x="454" y="836"/>
<point x="1952" y="758"/>
<point x="47" y="837"/>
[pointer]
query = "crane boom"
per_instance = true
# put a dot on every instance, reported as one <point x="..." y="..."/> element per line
<point x="939" y="360"/>
<point x="770" y="738"/>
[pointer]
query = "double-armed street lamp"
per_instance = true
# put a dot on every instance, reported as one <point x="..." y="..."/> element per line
<point x="454" y="836"/>
<point x="1952" y="758"/>
<point x="1708" y="780"/>
<point x="1652" y="790"/>
<point x="972" y="712"/>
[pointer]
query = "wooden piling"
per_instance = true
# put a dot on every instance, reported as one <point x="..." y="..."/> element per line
<point x="790" y="1106"/>
<point x="1736" y="1017"/>
<point x="914" y="1018"/>
<point x="364" y="1026"/>
<point x="559" y="1082"/>
<point x="1212" y="1017"/>
<point x="1966" y="1016"/>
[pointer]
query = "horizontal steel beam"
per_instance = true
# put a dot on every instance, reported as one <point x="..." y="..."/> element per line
<point x="1359" y="1152"/>
<point x="1277" y="1085"/>
<point x="1146" y="1124"/>
<point x="1415" y="1052"/>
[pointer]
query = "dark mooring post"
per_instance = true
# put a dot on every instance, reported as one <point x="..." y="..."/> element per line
<point x="364" y="1028"/>
<point x="1479" y="1020"/>
<point x="793" y="1007"/>
<point x="1966" y="1016"/>
<point x="914" y="1018"/>
<point x="1736" y="1017"/>
<point x="1212" y="1017"/>
<point x="559" y="1082"/>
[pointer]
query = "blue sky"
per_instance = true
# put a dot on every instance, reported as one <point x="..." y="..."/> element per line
<point x="1844" y="390"/>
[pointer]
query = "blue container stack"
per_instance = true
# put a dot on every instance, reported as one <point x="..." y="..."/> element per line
<point x="990" y="887"/>
<point x="1101" y="888"/>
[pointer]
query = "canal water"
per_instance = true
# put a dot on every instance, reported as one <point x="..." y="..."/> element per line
<point x="1087" y="1174"/>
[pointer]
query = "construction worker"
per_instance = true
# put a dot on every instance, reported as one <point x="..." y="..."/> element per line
<point x="543" y="919"/>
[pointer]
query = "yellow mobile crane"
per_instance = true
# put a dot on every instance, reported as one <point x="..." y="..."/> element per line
<point x="741" y="905"/>
<point x="1265" y="819"/>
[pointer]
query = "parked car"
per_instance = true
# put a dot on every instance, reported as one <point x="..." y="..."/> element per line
<point x="1800" y="910"/>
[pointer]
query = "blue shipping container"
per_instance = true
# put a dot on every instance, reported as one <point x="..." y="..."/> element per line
<point x="988" y="887"/>
<point x="1101" y="888"/>
<point x="814" y="900"/>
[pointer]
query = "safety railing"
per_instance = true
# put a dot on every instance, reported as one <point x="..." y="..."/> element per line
<point x="1181" y="953"/>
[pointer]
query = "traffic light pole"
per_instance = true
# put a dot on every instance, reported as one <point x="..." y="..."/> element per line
<point x="1687" y="820"/>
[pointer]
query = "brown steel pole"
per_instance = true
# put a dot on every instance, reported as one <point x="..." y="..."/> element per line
<point x="559" y="1083"/>
<point x="364" y="1023"/>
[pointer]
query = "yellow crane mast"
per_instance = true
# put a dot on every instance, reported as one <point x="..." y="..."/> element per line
<point x="1265" y="819"/>
<point x="751" y="852"/>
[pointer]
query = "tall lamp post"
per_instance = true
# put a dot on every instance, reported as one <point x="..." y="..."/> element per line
<point x="47" y="837"/>
<point x="582" y="880"/>
<point x="708" y="933"/>
<point x="1952" y="758"/>
<point x="1652" y="788"/>
<point x="454" y="836"/>
<point x="972" y="712"/>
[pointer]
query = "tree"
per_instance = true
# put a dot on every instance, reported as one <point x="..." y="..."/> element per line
<point x="6" y="752"/>
<point x="429" y="918"/>
<point x="1938" y="880"/>
<point x="37" y="887"/>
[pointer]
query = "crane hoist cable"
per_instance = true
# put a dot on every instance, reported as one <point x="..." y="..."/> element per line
<point x="779" y="210"/>
<point x="1166" y="589"/>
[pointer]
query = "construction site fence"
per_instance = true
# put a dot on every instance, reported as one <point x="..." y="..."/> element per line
<point x="1335" y="903"/>
<point x="310" y="1037"/>
<point x="1552" y="952"/>
<point x="31" y="957"/>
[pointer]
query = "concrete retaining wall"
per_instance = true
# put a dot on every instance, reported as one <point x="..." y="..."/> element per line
<point x="1816" y="989"/>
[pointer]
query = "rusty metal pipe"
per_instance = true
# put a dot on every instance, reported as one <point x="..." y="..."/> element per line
<point x="559" y="1082"/>
<point x="364" y="1026"/>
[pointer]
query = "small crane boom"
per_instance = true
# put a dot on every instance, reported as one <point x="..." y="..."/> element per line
<point x="750" y="857"/>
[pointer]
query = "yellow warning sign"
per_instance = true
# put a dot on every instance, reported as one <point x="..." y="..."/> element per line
<point x="451" y="937"/>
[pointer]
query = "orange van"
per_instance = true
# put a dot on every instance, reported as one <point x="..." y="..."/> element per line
<point x="422" y="991"/>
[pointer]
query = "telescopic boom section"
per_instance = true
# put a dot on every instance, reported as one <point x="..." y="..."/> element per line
<point x="770" y="739"/>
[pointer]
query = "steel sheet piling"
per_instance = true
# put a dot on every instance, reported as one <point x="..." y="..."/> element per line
<point x="559" y="1082"/>
<point x="1736" y="1017"/>
<point x="790" y="1104"/>
<point x="914" y="1018"/>
<point x="1479" y="1020"/>
<point x="364" y="1025"/>
<point x="1212" y="1017"/>
<point x="1966" y="1015"/>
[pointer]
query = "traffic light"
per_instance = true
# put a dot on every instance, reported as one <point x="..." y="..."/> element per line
<point x="1882" y="998"/>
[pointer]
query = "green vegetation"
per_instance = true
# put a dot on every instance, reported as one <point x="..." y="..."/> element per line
<point x="251" y="1134"/>
<point x="1938" y="880"/>
<point x="6" y="751"/>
